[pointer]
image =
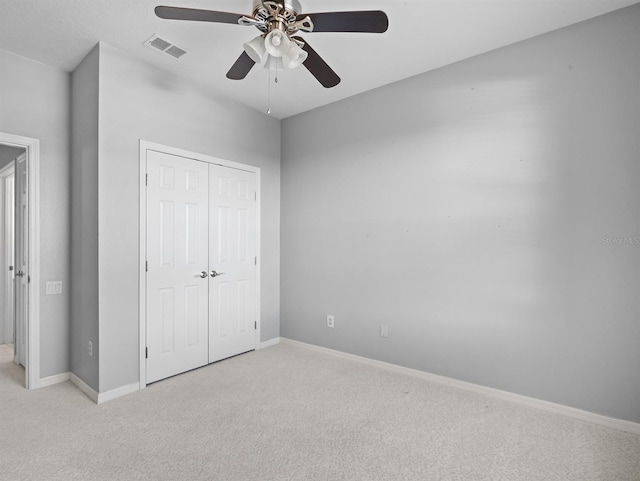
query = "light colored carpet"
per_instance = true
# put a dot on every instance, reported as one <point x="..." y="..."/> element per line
<point x="289" y="413"/>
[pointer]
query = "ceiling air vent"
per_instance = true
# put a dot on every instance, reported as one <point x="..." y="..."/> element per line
<point x="158" y="43"/>
<point x="174" y="51"/>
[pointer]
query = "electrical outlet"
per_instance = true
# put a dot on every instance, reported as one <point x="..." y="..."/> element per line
<point x="330" y="321"/>
<point x="384" y="330"/>
<point x="91" y="348"/>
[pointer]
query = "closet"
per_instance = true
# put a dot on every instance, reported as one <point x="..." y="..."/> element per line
<point x="201" y="263"/>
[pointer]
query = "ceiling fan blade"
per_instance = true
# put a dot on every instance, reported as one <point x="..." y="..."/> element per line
<point x="179" y="13"/>
<point x="318" y="67"/>
<point x="368" y="21"/>
<point x="241" y="68"/>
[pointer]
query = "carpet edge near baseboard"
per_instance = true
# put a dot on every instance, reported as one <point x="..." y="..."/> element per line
<point x="551" y="407"/>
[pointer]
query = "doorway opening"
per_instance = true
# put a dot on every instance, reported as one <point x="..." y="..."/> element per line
<point x="19" y="276"/>
<point x="10" y="325"/>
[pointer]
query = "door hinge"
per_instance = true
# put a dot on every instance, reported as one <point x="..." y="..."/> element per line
<point x="146" y="353"/>
<point x="146" y="179"/>
<point x="146" y="266"/>
<point x="256" y="196"/>
<point x="255" y="325"/>
<point x="255" y="261"/>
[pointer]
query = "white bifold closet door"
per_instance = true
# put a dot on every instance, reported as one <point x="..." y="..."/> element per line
<point x="232" y="257"/>
<point x="201" y="274"/>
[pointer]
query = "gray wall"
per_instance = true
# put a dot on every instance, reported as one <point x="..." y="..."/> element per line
<point x="139" y="101"/>
<point x="487" y="212"/>
<point x="84" y="219"/>
<point x="34" y="102"/>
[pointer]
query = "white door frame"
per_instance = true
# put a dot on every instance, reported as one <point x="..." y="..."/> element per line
<point x="32" y="147"/>
<point x="142" y="239"/>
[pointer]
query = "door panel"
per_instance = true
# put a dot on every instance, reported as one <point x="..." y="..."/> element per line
<point x="9" y="255"/>
<point x="21" y="276"/>
<point x="232" y="251"/>
<point x="177" y="252"/>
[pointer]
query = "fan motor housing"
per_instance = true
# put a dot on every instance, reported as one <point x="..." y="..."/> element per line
<point x="293" y="5"/>
<point x="269" y="15"/>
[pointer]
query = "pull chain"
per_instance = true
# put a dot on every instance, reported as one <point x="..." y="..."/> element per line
<point x="269" y="92"/>
<point x="272" y="62"/>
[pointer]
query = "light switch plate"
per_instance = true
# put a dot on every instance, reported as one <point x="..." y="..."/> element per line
<point x="53" y="288"/>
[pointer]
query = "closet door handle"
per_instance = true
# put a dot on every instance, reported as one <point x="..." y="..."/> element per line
<point x="216" y="274"/>
<point x="203" y="274"/>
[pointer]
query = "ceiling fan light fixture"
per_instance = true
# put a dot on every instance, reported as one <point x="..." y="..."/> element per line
<point x="294" y="57"/>
<point x="256" y="49"/>
<point x="277" y="43"/>
<point x="274" y="64"/>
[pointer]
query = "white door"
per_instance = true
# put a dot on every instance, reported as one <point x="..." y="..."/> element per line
<point x="201" y="254"/>
<point x="177" y="255"/>
<point x="232" y="260"/>
<point x="21" y="276"/>
<point x="9" y="255"/>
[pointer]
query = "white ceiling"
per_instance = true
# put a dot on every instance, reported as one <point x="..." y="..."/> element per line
<point x="423" y="35"/>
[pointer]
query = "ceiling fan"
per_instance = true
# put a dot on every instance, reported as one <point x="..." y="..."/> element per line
<point x="279" y="21"/>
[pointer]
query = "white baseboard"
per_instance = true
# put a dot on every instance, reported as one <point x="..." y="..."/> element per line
<point x="51" y="380"/>
<point x="84" y="387"/>
<point x="619" y="424"/>
<point x="102" y="397"/>
<point x="271" y="342"/>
